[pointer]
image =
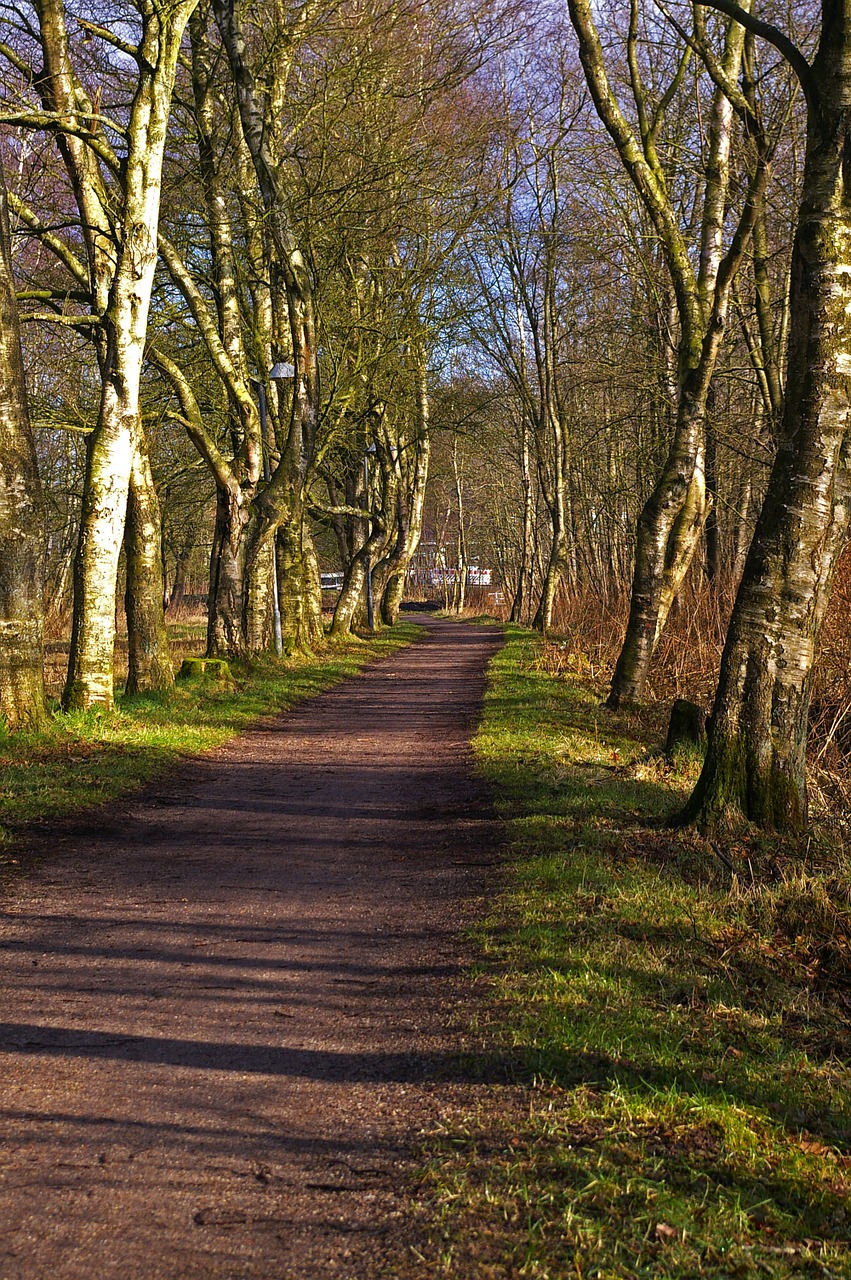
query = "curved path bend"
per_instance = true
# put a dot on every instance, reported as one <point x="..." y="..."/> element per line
<point x="229" y="1007"/>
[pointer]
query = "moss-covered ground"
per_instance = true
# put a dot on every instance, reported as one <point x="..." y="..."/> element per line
<point x="674" y="1016"/>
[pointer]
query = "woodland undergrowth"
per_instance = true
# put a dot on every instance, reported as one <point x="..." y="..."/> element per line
<point x="587" y="632"/>
<point x="673" y="1014"/>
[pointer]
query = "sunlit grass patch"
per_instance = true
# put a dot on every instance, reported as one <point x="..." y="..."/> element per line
<point x="680" y="1032"/>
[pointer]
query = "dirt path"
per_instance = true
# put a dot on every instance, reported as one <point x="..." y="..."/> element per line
<point x="228" y="1009"/>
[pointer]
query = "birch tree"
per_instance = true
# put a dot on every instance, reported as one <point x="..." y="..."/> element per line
<point x="279" y="511"/>
<point x="21" y="519"/>
<point x="234" y="453"/>
<point x="520" y="264"/>
<point x="673" y="516"/>
<point x="117" y="191"/>
<point x="755" y="765"/>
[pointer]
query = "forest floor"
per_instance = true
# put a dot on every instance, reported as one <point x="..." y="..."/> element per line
<point x="233" y="1001"/>
<point x="678" y="1008"/>
<point x="306" y="1006"/>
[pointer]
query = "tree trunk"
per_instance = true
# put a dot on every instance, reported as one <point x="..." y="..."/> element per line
<point x="391" y="597"/>
<point x="755" y="766"/>
<point x="110" y="449"/>
<point x="296" y="624"/>
<point x="149" y="662"/>
<point x="224" y="604"/>
<point x="520" y="603"/>
<point x="257" y="627"/>
<point x="712" y="528"/>
<point x="543" y="619"/>
<point x="741" y="535"/>
<point x="351" y="607"/>
<point x="22" y="551"/>
<point x="459" y="586"/>
<point x="389" y="574"/>
<point x="312" y="589"/>
<point x="180" y="581"/>
<point x="351" y="595"/>
<point x="668" y="531"/>
<point x="111" y="444"/>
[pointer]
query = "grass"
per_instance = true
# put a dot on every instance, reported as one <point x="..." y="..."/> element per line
<point x="83" y="759"/>
<point x="678" y="1034"/>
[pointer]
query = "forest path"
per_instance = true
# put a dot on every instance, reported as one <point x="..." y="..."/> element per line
<point x="230" y="1005"/>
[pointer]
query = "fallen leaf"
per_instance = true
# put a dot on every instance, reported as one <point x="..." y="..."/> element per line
<point x="817" y="1148"/>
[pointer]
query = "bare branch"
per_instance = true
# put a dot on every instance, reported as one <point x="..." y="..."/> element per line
<point x="55" y="317"/>
<point x="53" y="295"/>
<point x="49" y="424"/>
<point x="56" y="122"/>
<point x="105" y="34"/>
<point x="50" y="240"/>
<point x="701" y="46"/>
<point x="192" y="419"/>
<point x="772" y="34"/>
<point x="20" y="64"/>
<point x="318" y="509"/>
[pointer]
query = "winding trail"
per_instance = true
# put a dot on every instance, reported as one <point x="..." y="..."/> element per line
<point x="230" y="1006"/>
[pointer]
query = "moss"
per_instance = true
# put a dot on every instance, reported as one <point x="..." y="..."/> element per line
<point x="206" y="668"/>
<point x="733" y="787"/>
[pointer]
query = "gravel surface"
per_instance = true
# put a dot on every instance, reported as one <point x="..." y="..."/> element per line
<point x="232" y="1003"/>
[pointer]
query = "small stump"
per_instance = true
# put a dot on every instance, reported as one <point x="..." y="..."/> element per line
<point x="215" y="669"/>
<point x="686" y="729"/>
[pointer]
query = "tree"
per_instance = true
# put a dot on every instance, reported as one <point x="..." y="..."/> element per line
<point x="673" y="516"/>
<point x="755" y="764"/>
<point x="117" y="192"/>
<point x="520" y="263"/>
<point x="238" y="589"/>
<point x="279" y="510"/>
<point x="21" y="519"/>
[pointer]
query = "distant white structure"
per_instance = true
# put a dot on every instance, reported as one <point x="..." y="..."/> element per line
<point x="476" y="577"/>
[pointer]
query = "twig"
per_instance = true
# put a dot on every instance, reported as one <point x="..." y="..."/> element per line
<point x="720" y="853"/>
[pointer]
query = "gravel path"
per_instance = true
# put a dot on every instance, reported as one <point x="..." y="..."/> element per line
<point x="230" y="1006"/>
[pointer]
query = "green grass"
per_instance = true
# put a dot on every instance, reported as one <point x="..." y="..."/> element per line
<point x="84" y="759"/>
<point x="678" y="1036"/>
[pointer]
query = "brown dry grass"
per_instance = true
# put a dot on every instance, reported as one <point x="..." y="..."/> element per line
<point x="187" y="626"/>
<point x="586" y="637"/>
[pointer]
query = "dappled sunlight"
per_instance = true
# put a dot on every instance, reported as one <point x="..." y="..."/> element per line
<point x="682" y="1029"/>
<point x="237" y="995"/>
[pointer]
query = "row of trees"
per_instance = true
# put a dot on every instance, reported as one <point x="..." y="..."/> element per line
<point x="743" y="296"/>
<point x="215" y="196"/>
<point x="279" y="249"/>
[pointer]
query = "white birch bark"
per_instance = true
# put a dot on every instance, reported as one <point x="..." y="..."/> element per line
<point x="111" y="445"/>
